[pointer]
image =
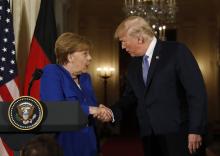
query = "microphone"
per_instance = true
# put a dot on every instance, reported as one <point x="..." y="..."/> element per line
<point x="35" y="76"/>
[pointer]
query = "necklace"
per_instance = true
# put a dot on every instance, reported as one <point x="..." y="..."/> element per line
<point x="75" y="77"/>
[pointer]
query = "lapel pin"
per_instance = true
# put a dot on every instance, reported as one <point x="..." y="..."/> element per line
<point x="157" y="57"/>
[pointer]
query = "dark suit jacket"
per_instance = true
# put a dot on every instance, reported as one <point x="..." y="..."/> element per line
<point x="174" y="95"/>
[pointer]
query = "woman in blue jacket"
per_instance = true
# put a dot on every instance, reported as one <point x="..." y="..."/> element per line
<point x="68" y="81"/>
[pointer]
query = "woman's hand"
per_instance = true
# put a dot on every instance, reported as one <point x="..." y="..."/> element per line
<point x="102" y="113"/>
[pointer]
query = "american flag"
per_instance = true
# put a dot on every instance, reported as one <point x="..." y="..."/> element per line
<point x="8" y="67"/>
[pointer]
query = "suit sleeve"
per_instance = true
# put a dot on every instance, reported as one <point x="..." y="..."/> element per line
<point x="192" y="81"/>
<point x="127" y="100"/>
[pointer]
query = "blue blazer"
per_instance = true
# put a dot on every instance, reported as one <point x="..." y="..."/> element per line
<point x="58" y="85"/>
<point x="174" y="97"/>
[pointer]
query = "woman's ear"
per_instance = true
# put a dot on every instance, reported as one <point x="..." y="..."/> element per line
<point x="69" y="57"/>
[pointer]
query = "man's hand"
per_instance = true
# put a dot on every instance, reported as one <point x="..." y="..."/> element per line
<point x="103" y="113"/>
<point x="194" y="142"/>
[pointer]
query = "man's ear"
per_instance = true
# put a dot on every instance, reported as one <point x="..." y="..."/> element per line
<point x="140" y="39"/>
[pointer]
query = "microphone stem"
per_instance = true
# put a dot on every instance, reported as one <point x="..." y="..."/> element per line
<point x="29" y="87"/>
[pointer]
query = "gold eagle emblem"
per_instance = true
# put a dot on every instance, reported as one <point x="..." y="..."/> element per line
<point x="26" y="112"/>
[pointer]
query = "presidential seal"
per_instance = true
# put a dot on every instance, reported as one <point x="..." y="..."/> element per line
<point x="25" y="113"/>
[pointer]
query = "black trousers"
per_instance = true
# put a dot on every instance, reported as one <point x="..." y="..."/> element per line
<point x="173" y="144"/>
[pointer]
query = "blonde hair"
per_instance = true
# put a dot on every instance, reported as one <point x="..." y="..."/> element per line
<point x="68" y="43"/>
<point x="134" y="26"/>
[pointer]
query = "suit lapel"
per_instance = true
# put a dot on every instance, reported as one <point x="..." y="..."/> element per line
<point x="154" y="61"/>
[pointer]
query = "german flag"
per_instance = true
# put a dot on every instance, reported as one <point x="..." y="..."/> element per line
<point x="42" y="46"/>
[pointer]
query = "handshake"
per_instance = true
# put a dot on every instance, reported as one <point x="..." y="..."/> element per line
<point x="102" y="113"/>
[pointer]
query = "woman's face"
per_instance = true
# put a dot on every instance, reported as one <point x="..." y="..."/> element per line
<point x="80" y="61"/>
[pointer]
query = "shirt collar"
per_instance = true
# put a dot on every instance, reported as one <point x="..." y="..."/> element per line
<point x="151" y="47"/>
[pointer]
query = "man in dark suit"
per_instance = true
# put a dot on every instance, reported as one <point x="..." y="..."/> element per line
<point x="165" y="82"/>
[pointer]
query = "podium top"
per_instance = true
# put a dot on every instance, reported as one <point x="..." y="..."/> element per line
<point x="58" y="116"/>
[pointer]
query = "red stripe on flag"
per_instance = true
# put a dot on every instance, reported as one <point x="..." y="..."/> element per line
<point x="5" y="94"/>
<point x="9" y="150"/>
<point x="36" y="59"/>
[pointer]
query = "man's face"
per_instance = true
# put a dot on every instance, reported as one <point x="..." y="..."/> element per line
<point x="131" y="45"/>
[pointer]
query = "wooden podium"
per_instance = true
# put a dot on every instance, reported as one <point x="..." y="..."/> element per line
<point x="58" y="117"/>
